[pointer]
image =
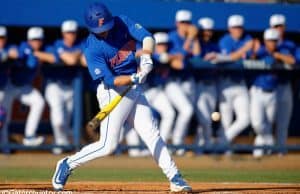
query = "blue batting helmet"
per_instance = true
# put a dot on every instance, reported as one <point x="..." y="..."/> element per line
<point x="98" y="18"/>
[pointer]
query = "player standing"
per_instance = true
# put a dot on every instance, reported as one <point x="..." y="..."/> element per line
<point x="181" y="86"/>
<point x="30" y="55"/>
<point x="59" y="88"/>
<point x="284" y="90"/>
<point x="109" y="52"/>
<point x="206" y="85"/>
<point x="263" y="94"/>
<point x="234" y="99"/>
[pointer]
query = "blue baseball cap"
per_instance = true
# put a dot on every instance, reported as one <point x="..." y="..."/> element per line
<point x="98" y="18"/>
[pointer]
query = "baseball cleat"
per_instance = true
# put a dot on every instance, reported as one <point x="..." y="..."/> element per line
<point x="61" y="174"/>
<point x="33" y="141"/>
<point x="178" y="184"/>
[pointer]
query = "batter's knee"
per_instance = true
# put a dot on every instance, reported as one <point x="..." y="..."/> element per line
<point x="109" y="148"/>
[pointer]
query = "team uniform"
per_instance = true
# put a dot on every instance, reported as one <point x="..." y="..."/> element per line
<point x="179" y="90"/>
<point x="107" y="58"/>
<point x="206" y="90"/>
<point x="263" y="95"/>
<point x="234" y="94"/>
<point x="59" y="95"/>
<point x="20" y="87"/>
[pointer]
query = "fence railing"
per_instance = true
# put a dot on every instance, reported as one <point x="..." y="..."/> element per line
<point x="79" y="74"/>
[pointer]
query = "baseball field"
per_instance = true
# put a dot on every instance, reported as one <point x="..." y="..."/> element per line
<point x="31" y="173"/>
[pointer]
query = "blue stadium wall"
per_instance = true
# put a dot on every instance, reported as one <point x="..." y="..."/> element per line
<point x="151" y="13"/>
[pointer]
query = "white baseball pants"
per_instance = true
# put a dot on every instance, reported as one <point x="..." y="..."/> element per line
<point x="234" y="100"/>
<point x="60" y="99"/>
<point x="133" y="109"/>
<point x="184" y="107"/>
<point x="28" y="96"/>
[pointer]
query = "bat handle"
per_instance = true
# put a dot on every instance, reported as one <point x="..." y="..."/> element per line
<point x="94" y="123"/>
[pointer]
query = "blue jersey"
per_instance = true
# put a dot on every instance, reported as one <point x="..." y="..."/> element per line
<point x="68" y="74"/>
<point x="175" y="46"/>
<point x="208" y="47"/>
<point x="266" y="81"/>
<point x="60" y="47"/>
<point x="176" y="43"/>
<point x="228" y="45"/>
<point x="27" y="65"/>
<point x="114" y="55"/>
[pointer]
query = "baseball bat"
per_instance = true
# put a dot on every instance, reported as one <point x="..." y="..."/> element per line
<point x="95" y="122"/>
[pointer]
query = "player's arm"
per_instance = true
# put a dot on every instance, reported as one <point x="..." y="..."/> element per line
<point x="100" y="70"/>
<point x="70" y="58"/>
<point x="44" y="56"/>
<point x="191" y="44"/>
<point x="285" y="58"/>
<point x="242" y="52"/>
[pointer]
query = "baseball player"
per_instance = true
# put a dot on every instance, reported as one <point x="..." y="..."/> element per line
<point x="234" y="97"/>
<point x="206" y="85"/>
<point x="59" y="89"/>
<point x="285" y="95"/>
<point x="156" y="95"/>
<point x="263" y="94"/>
<point x="181" y="87"/>
<point x="7" y="52"/>
<point x="30" y="55"/>
<point x="109" y="52"/>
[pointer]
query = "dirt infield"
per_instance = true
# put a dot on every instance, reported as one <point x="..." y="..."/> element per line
<point x="149" y="187"/>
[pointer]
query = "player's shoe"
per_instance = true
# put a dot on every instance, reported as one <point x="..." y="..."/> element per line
<point x="178" y="184"/>
<point x="61" y="174"/>
<point x="33" y="141"/>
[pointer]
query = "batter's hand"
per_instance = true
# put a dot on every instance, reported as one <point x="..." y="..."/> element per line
<point x="146" y="63"/>
<point x="139" y="78"/>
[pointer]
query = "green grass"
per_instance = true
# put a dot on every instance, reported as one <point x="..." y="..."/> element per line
<point x="210" y="175"/>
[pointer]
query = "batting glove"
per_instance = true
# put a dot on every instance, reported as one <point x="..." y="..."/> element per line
<point x="138" y="78"/>
<point x="146" y="63"/>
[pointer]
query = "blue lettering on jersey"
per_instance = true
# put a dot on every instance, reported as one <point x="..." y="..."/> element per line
<point x="114" y="55"/>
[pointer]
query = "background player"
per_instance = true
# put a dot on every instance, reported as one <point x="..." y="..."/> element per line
<point x="109" y="52"/>
<point x="31" y="54"/>
<point x="234" y="97"/>
<point x="180" y="87"/>
<point x="7" y="52"/>
<point x="285" y="94"/>
<point x="59" y="88"/>
<point x="263" y="94"/>
<point x="206" y="84"/>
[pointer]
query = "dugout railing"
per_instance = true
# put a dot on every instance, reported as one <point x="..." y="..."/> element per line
<point x="80" y="74"/>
